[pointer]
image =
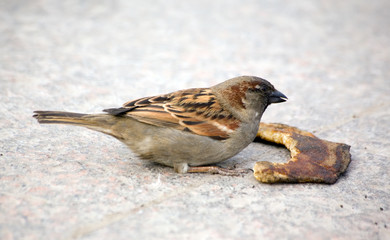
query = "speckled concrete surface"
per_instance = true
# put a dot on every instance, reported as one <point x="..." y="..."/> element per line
<point x="331" y="58"/>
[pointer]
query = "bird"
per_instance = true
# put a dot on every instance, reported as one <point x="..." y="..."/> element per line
<point x="190" y="130"/>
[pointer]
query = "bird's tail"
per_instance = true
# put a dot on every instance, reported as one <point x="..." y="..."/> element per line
<point x="61" y="117"/>
<point x="99" y="122"/>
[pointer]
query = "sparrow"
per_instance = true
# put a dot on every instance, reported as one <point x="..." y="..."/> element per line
<point x="189" y="130"/>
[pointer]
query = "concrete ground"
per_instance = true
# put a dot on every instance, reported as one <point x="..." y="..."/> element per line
<point x="330" y="57"/>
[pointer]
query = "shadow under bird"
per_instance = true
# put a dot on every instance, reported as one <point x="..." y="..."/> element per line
<point x="188" y="130"/>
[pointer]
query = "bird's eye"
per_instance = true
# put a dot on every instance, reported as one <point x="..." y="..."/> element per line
<point x="261" y="88"/>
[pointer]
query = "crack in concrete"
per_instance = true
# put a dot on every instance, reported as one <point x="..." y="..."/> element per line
<point x="113" y="218"/>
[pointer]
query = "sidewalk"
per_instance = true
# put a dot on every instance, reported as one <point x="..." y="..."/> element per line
<point x="330" y="58"/>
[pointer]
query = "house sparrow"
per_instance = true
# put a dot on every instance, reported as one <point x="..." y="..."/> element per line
<point x="188" y="129"/>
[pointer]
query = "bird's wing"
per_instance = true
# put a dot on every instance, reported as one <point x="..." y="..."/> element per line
<point x="193" y="110"/>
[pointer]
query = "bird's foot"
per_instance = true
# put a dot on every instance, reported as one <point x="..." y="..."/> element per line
<point x="218" y="170"/>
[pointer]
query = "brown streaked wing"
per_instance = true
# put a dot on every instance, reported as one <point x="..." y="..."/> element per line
<point x="147" y="101"/>
<point x="194" y="110"/>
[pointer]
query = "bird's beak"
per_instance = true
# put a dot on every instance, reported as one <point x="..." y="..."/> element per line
<point x="277" y="97"/>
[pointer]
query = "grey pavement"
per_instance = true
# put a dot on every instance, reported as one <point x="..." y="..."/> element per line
<point x="330" y="57"/>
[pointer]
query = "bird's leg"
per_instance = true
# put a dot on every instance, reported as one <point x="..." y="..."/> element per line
<point x="217" y="170"/>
